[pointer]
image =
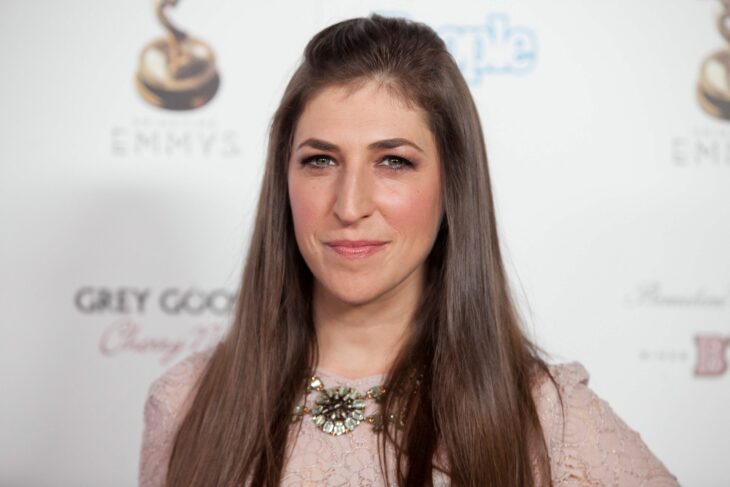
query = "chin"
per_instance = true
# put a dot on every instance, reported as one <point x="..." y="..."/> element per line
<point x="351" y="293"/>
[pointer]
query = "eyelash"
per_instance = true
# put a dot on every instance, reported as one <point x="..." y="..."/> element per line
<point x="405" y="164"/>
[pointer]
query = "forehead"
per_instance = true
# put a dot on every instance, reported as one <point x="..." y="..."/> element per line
<point x="361" y="113"/>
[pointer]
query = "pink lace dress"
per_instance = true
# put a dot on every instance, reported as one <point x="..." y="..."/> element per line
<point x="597" y="449"/>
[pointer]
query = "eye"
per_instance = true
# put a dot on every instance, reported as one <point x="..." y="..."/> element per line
<point x="319" y="161"/>
<point x="397" y="163"/>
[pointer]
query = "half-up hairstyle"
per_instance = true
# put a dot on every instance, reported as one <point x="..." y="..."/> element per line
<point x="473" y="415"/>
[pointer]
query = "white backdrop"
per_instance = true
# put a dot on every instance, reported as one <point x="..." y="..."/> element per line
<point x="124" y="225"/>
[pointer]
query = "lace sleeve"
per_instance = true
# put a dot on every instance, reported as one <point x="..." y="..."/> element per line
<point x="593" y="446"/>
<point x="167" y="401"/>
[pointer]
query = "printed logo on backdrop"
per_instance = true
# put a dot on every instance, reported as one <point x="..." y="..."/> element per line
<point x="710" y="349"/>
<point x="708" y="146"/>
<point x="713" y="87"/>
<point x="127" y="316"/>
<point x="493" y="47"/>
<point x="177" y="74"/>
<point x="711" y="354"/>
<point x="653" y="294"/>
<point x="178" y="71"/>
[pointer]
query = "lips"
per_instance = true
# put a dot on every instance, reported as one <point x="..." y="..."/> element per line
<point x="355" y="243"/>
<point x="356" y="248"/>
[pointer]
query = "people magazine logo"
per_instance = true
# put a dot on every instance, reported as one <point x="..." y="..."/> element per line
<point x="185" y="320"/>
<point x="177" y="74"/>
<point x="494" y="47"/>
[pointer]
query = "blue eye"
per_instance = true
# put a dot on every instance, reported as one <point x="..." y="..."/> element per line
<point x="399" y="163"/>
<point x="321" y="161"/>
<point x="316" y="161"/>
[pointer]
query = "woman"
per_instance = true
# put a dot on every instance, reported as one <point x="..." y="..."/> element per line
<point x="375" y="341"/>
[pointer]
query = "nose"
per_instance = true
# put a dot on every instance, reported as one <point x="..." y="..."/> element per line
<point x="354" y="198"/>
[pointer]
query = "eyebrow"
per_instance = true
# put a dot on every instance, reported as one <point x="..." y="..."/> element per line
<point x="380" y="144"/>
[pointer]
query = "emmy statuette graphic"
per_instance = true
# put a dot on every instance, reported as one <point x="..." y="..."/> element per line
<point x="177" y="72"/>
<point x="713" y="88"/>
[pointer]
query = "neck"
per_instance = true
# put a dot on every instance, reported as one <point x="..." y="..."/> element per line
<point x="360" y="340"/>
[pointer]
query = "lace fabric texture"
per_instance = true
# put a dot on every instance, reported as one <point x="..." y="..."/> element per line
<point x="596" y="448"/>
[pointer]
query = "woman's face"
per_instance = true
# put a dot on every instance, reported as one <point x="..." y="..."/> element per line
<point x="365" y="192"/>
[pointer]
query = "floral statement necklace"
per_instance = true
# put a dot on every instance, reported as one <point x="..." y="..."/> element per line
<point x="339" y="410"/>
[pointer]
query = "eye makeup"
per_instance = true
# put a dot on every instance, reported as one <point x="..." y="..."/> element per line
<point x="402" y="163"/>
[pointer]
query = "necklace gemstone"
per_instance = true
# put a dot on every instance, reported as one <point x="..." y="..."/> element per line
<point x="338" y="410"/>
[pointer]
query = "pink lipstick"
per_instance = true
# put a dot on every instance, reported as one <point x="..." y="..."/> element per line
<point x="355" y="249"/>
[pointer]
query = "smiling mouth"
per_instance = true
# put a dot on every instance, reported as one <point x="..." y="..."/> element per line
<point x="356" y="249"/>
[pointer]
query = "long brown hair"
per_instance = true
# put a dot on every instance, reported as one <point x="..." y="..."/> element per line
<point x="474" y="407"/>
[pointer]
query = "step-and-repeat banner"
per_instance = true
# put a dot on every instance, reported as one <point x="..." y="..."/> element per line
<point x="128" y="184"/>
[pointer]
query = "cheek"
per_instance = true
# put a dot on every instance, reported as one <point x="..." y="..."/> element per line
<point x="415" y="211"/>
<point x="306" y="206"/>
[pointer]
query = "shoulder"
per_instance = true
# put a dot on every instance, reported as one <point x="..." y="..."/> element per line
<point x="173" y="387"/>
<point x="550" y="401"/>
<point x="568" y="378"/>
<point x="588" y="443"/>
<point x="170" y="394"/>
<point x="168" y="398"/>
